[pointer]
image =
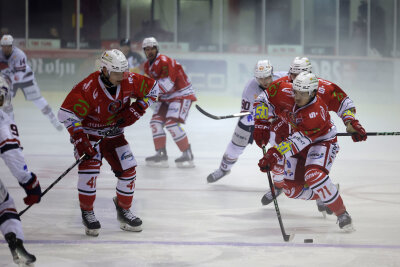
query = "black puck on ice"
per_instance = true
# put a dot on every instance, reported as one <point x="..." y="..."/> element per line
<point x="308" y="240"/>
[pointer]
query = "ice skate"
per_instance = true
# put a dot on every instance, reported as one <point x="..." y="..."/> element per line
<point x="216" y="175"/>
<point x="90" y="222"/>
<point x="267" y="198"/>
<point x="323" y="209"/>
<point x="160" y="159"/>
<point x="19" y="254"/>
<point x="345" y="222"/>
<point x="186" y="160"/>
<point x="128" y="221"/>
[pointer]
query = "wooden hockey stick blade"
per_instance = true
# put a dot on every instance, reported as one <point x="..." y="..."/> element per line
<point x="371" y="133"/>
<point x="241" y="114"/>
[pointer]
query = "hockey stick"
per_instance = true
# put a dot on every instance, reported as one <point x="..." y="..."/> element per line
<point x="285" y="236"/>
<point x="82" y="158"/>
<point x="371" y="133"/>
<point x="241" y="114"/>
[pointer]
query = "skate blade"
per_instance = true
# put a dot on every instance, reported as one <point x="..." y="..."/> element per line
<point x="129" y="228"/>
<point x="185" y="165"/>
<point x="161" y="164"/>
<point x="22" y="259"/>
<point x="92" y="232"/>
<point x="349" y="228"/>
<point x="323" y="214"/>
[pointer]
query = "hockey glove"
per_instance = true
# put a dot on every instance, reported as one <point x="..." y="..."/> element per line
<point x="269" y="160"/>
<point x="358" y="132"/>
<point x="131" y="114"/>
<point x="261" y="132"/>
<point x="32" y="190"/>
<point x="281" y="130"/>
<point x="82" y="145"/>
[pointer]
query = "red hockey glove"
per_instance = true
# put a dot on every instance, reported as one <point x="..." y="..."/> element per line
<point x="269" y="160"/>
<point x="33" y="190"/>
<point x="261" y="132"/>
<point x="281" y="130"/>
<point x="131" y="114"/>
<point x="82" y="144"/>
<point x="358" y="132"/>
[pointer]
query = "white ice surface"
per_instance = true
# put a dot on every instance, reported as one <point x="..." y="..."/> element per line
<point x="187" y="222"/>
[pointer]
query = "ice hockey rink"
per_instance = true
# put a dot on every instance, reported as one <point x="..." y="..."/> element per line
<point x="187" y="222"/>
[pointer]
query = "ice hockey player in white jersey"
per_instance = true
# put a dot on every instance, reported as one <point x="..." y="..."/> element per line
<point x="243" y="134"/>
<point x="13" y="62"/>
<point x="11" y="153"/>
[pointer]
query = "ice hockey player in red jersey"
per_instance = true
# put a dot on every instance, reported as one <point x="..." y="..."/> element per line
<point x="311" y="147"/>
<point x="11" y="153"/>
<point x="90" y="110"/>
<point x="175" y="99"/>
<point x="336" y="100"/>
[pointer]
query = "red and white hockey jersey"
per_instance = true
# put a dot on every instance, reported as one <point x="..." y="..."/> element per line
<point x="90" y="104"/>
<point x="334" y="97"/>
<point x="173" y="81"/>
<point x="309" y="124"/>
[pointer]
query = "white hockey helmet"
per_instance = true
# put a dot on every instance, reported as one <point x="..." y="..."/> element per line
<point x="150" y="42"/>
<point x="114" y="61"/>
<point x="300" y="64"/>
<point x="4" y="90"/>
<point x="6" y="40"/>
<point x="306" y="82"/>
<point x="263" y="69"/>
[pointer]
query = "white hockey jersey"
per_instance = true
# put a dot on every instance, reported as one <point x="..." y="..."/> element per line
<point x="16" y="66"/>
<point x="250" y="94"/>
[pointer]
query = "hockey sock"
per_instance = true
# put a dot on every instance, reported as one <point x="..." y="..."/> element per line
<point x="320" y="183"/>
<point x="125" y="188"/>
<point x="88" y="172"/>
<point x="159" y="136"/>
<point x="178" y="134"/>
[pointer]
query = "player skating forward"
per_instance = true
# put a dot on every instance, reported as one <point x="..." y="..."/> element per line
<point x="13" y="61"/>
<point x="243" y="134"/>
<point x="175" y="99"/>
<point x="336" y="100"/>
<point x="89" y="111"/>
<point x="311" y="147"/>
<point x="11" y="153"/>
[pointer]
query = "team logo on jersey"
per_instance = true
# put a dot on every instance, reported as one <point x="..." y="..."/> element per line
<point x="115" y="106"/>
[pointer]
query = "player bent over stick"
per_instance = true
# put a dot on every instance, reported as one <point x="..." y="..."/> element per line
<point x="90" y="110"/>
<point x="243" y="134"/>
<point x="311" y="147"/>
<point x="335" y="99"/>
<point x="11" y="153"/>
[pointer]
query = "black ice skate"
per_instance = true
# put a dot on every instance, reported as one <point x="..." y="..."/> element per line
<point x="323" y="209"/>
<point x="19" y="254"/>
<point x="186" y="160"/>
<point x="216" y="175"/>
<point x="128" y="221"/>
<point x="92" y="225"/>
<point x="160" y="159"/>
<point x="267" y="198"/>
<point x="345" y="222"/>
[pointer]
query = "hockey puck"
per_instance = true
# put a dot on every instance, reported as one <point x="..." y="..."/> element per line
<point x="308" y="240"/>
